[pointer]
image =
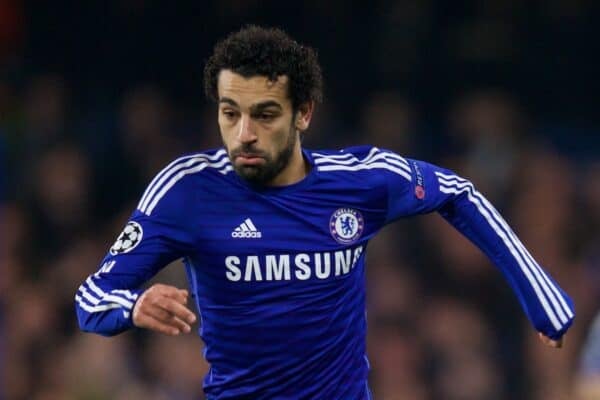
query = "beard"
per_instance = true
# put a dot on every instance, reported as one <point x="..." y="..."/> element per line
<point x="261" y="175"/>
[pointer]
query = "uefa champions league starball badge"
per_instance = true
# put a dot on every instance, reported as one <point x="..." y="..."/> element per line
<point x="128" y="239"/>
<point x="346" y="225"/>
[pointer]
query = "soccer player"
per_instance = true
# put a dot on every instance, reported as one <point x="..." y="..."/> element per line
<point x="273" y="237"/>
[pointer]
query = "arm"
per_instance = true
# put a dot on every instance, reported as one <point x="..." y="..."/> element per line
<point x="112" y="300"/>
<point x="431" y="188"/>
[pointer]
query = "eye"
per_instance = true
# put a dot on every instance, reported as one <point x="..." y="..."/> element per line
<point x="229" y="113"/>
<point x="266" y="117"/>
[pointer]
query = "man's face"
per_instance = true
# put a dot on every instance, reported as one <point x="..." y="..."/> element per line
<point x="257" y="125"/>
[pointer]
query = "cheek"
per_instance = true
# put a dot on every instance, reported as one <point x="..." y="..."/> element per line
<point x="281" y="135"/>
<point x="227" y="131"/>
<point x="273" y="141"/>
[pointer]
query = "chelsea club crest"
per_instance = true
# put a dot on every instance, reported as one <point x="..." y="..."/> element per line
<point x="346" y="225"/>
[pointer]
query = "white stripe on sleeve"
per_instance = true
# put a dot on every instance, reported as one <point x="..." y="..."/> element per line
<point x="523" y="264"/>
<point x="537" y="270"/>
<point x="94" y="309"/>
<point x="103" y="296"/>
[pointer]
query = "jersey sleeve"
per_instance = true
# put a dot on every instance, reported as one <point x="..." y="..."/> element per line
<point x="430" y="188"/>
<point x="153" y="237"/>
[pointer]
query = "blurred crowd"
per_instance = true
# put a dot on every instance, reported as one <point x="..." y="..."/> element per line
<point x="443" y="323"/>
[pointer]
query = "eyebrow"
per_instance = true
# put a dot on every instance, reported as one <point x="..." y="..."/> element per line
<point x="255" y="107"/>
<point x="228" y="101"/>
<point x="265" y="104"/>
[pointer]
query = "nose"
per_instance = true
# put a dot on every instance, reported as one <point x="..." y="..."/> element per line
<point x="247" y="133"/>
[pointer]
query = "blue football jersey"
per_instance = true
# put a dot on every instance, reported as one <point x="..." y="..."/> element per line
<point x="278" y="273"/>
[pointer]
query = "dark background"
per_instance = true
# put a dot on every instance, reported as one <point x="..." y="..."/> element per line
<point x="96" y="97"/>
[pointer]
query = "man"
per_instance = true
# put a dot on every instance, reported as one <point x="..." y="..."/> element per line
<point x="273" y="237"/>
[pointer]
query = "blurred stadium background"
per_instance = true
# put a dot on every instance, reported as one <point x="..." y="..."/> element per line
<point x="95" y="97"/>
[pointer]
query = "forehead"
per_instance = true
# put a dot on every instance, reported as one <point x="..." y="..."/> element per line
<point x="255" y="89"/>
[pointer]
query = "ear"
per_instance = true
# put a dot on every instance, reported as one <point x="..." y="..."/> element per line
<point x="304" y="115"/>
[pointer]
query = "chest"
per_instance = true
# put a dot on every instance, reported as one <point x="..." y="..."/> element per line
<point x="250" y="222"/>
<point x="253" y="241"/>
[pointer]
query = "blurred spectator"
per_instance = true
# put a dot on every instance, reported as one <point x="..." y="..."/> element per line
<point x="11" y="28"/>
<point x="487" y="129"/>
<point x="589" y="232"/>
<point x="588" y="371"/>
<point x="389" y="121"/>
<point x="60" y="199"/>
<point x="185" y="381"/>
<point x="441" y="323"/>
<point x="461" y="352"/>
<point x="402" y="30"/>
<point x="397" y="359"/>
<point x="3" y="170"/>
<point x="543" y="218"/>
<point x="45" y="107"/>
<point x="147" y="131"/>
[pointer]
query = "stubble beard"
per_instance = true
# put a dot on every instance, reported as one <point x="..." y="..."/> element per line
<point x="262" y="175"/>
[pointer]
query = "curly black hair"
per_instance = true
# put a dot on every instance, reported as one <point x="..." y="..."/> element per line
<point x="270" y="52"/>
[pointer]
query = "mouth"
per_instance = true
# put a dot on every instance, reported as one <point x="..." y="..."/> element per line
<point x="248" y="159"/>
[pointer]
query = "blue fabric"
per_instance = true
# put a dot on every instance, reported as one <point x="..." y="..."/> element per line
<point x="278" y="274"/>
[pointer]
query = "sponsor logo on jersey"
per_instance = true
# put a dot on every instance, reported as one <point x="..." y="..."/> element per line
<point x="286" y="267"/>
<point x="246" y="230"/>
<point x="346" y="225"/>
<point x="128" y="239"/>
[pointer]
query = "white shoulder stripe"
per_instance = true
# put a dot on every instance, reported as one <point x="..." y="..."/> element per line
<point x="358" y="167"/>
<point x="533" y="272"/>
<point x="157" y="185"/>
<point x="334" y="156"/>
<point x="392" y="160"/>
<point x="173" y="167"/>
<point x="160" y="175"/>
<point x="374" y="155"/>
<point x="344" y="161"/>
<point x="343" y="158"/>
<point x="397" y="157"/>
<point x="387" y="154"/>
<point x="228" y="168"/>
<point x="150" y="207"/>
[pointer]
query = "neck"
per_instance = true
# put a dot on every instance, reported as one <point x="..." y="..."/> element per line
<point x="295" y="171"/>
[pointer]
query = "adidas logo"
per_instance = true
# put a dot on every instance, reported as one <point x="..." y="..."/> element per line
<point x="246" y="230"/>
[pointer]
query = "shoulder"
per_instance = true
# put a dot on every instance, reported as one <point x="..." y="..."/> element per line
<point x="173" y="179"/>
<point x="361" y="158"/>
